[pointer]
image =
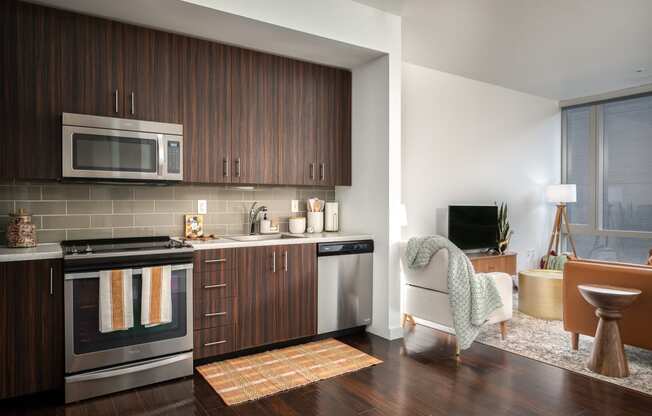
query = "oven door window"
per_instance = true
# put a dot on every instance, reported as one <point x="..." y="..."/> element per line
<point x="113" y="153"/>
<point x="87" y="336"/>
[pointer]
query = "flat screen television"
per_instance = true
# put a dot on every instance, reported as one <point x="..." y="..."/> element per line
<point x="473" y="227"/>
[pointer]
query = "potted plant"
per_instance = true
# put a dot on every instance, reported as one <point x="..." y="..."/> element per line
<point x="504" y="231"/>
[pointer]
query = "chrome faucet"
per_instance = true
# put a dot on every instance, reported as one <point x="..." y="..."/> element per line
<point x="253" y="215"/>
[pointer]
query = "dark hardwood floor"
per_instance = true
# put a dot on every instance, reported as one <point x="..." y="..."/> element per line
<point x="419" y="376"/>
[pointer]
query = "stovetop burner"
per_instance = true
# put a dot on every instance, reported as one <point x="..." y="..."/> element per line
<point x="120" y="245"/>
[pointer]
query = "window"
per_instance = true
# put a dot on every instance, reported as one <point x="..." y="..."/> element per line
<point x="607" y="153"/>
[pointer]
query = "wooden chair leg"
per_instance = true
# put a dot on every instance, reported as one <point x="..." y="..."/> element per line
<point x="503" y="330"/>
<point x="575" y="340"/>
<point x="407" y="318"/>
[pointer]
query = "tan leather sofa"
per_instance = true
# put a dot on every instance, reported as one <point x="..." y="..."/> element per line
<point x="579" y="316"/>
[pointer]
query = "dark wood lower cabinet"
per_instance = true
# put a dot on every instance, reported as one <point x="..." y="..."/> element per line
<point x="214" y="341"/>
<point x="277" y="291"/>
<point x="31" y="327"/>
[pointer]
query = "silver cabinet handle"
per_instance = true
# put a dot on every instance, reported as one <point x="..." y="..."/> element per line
<point x="322" y="171"/>
<point x="274" y="262"/>
<point x="285" y="260"/>
<point x="208" y="344"/>
<point x="214" y="286"/>
<point x="51" y="282"/>
<point x="133" y="105"/>
<point x="215" y="261"/>
<point x="117" y="97"/>
<point x="312" y="171"/>
<point x="208" y="315"/>
<point x="237" y="168"/>
<point x="225" y="167"/>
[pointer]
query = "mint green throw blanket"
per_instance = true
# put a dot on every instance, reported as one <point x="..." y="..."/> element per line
<point x="472" y="297"/>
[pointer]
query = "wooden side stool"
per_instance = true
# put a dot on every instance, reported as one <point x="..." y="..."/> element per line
<point x="608" y="356"/>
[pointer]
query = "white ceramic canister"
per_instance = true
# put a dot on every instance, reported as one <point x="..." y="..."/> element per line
<point x="315" y="222"/>
<point x="331" y="216"/>
<point x="298" y="225"/>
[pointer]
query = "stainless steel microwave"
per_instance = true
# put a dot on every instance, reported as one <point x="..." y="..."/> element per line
<point x="96" y="147"/>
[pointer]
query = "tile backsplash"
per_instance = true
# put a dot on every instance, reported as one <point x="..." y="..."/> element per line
<point x="78" y="211"/>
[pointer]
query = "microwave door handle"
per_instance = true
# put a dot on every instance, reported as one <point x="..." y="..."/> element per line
<point x="161" y="156"/>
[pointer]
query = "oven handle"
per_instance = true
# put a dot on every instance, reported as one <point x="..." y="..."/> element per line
<point x="128" y="369"/>
<point x="96" y="274"/>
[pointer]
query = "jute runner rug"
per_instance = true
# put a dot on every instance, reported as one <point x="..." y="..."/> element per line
<point x="255" y="376"/>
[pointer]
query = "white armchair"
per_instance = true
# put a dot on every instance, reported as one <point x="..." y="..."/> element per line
<point x="426" y="293"/>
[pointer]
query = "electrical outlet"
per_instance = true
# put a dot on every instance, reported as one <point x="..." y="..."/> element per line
<point x="202" y="206"/>
<point x="530" y="253"/>
<point x="295" y="205"/>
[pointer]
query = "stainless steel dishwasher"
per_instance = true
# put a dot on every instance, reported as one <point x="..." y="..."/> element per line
<point x="345" y="284"/>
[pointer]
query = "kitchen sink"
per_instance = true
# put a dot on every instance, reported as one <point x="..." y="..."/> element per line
<point x="263" y="237"/>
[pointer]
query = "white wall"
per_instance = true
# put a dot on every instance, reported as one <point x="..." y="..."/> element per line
<point x="468" y="142"/>
<point x="367" y="204"/>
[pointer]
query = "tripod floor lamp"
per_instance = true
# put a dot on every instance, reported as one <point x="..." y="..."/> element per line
<point x="560" y="195"/>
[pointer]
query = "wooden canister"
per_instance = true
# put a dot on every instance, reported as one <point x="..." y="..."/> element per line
<point x="21" y="232"/>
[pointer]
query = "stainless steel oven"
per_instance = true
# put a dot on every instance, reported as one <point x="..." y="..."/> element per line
<point x="109" y="148"/>
<point x="98" y="362"/>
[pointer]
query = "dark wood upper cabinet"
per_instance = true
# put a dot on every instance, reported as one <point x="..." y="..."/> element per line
<point x="152" y="87"/>
<point x="206" y="117"/>
<point x="31" y="319"/>
<point x="254" y="140"/>
<point x="296" y="109"/>
<point x="93" y="63"/>
<point x="32" y="97"/>
<point x="248" y="117"/>
<point x="333" y="126"/>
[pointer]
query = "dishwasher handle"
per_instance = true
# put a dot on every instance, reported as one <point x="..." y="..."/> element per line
<point x="345" y="247"/>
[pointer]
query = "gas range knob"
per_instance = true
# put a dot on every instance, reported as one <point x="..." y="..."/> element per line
<point x="88" y="249"/>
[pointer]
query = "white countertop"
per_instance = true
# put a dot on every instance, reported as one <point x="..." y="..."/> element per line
<point x="307" y="238"/>
<point x="53" y="250"/>
<point x="40" y="252"/>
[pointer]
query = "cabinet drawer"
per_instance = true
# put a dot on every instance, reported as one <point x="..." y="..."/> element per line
<point x="217" y="281"/>
<point x="214" y="311"/>
<point x="214" y="260"/>
<point x="213" y="341"/>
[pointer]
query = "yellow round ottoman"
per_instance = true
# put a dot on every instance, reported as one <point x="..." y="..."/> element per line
<point x="539" y="293"/>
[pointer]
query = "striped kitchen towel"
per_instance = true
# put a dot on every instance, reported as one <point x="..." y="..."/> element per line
<point x="156" y="299"/>
<point x="116" y="300"/>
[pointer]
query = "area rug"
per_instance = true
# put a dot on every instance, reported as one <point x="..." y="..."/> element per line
<point x="255" y="376"/>
<point x="547" y="341"/>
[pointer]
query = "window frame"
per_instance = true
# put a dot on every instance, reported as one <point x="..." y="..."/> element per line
<point x="595" y="226"/>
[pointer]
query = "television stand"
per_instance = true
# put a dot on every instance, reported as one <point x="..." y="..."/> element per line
<point x="487" y="262"/>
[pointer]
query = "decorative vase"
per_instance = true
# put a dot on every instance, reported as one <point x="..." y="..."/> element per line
<point x="21" y="232"/>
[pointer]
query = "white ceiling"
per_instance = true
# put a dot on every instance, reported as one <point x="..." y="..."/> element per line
<point x="203" y="22"/>
<point x="560" y="49"/>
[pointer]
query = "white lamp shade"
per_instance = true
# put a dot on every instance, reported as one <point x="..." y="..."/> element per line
<point x="561" y="193"/>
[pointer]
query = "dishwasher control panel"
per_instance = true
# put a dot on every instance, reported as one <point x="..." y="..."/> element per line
<point x="346" y="247"/>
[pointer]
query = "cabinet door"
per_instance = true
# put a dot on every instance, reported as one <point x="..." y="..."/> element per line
<point x="297" y="292"/>
<point x="32" y="100"/>
<point x="333" y="126"/>
<point x="206" y="112"/>
<point x="254" y="143"/>
<point x="152" y="76"/>
<point x="342" y="157"/>
<point x="256" y="319"/>
<point x="31" y="318"/>
<point x="297" y="164"/>
<point x="93" y="66"/>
